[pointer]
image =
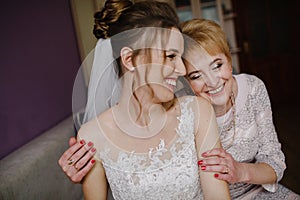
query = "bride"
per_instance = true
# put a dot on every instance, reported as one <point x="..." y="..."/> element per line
<point x="147" y="144"/>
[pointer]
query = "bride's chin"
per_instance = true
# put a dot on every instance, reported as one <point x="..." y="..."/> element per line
<point x="207" y="97"/>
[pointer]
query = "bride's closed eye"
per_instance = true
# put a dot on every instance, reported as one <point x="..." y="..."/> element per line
<point x="171" y="56"/>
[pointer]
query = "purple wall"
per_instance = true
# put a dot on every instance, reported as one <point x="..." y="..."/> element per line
<point x="39" y="62"/>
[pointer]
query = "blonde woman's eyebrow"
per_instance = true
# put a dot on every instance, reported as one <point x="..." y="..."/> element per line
<point x="215" y="60"/>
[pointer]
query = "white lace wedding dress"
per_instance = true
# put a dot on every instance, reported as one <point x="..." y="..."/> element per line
<point x="167" y="170"/>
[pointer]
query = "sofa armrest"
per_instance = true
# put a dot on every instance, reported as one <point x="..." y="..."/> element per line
<point x="32" y="171"/>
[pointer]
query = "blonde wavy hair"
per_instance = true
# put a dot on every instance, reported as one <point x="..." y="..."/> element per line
<point x="208" y="34"/>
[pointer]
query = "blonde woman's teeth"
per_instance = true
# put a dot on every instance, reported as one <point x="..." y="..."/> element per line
<point x="216" y="90"/>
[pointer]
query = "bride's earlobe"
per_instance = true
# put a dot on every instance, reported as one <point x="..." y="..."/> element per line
<point x="126" y="58"/>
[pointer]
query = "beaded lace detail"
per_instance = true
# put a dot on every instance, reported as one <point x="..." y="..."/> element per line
<point x="256" y="139"/>
<point x="162" y="173"/>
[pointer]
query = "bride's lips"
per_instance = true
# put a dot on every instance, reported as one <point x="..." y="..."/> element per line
<point x="171" y="82"/>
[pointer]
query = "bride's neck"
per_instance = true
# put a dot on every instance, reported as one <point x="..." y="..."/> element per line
<point x="140" y="108"/>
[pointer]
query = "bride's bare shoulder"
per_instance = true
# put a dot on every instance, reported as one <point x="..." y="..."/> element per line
<point x="91" y="129"/>
<point x="200" y="102"/>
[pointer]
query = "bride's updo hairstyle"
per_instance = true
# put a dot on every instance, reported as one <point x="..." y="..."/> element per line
<point x="120" y="15"/>
<point x="129" y="20"/>
<point x="109" y="15"/>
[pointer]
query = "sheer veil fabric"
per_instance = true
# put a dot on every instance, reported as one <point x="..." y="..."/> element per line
<point x="104" y="85"/>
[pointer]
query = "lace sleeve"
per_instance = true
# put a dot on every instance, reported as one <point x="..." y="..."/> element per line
<point x="269" y="147"/>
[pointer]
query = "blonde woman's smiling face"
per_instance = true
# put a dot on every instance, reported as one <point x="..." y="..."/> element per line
<point x="210" y="76"/>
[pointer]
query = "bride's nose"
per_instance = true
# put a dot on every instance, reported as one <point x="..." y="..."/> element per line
<point x="180" y="68"/>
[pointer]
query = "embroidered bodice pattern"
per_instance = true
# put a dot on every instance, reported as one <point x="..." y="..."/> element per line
<point x="256" y="139"/>
<point x="162" y="173"/>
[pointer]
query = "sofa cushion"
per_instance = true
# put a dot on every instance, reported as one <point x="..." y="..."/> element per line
<point x="32" y="171"/>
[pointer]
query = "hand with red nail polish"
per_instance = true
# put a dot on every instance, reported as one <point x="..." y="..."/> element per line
<point x="200" y="162"/>
<point x="222" y="163"/>
<point x="77" y="161"/>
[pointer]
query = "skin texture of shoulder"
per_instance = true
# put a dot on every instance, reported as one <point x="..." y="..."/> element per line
<point x="88" y="131"/>
<point x="93" y="130"/>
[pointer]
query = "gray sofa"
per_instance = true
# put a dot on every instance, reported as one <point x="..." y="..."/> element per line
<point x="32" y="172"/>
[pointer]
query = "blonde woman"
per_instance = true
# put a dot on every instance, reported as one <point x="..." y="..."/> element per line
<point x="251" y="159"/>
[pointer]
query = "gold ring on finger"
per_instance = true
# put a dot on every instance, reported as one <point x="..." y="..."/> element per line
<point x="70" y="161"/>
<point x="227" y="170"/>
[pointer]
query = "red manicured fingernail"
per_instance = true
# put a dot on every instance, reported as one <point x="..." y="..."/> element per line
<point x="203" y="167"/>
<point x="93" y="149"/>
<point x="204" y="154"/>
<point x="90" y="144"/>
<point x="216" y="175"/>
<point x="200" y="162"/>
<point x="93" y="161"/>
<point x="82" y="142"/>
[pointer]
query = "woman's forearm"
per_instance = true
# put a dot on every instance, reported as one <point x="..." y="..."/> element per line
<point x="94" y="184"/>
<point x="258" y="173"/>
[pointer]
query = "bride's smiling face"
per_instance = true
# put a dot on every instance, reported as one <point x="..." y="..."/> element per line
<point x="159" y="69"/>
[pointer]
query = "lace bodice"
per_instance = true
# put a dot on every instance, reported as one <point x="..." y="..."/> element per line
<point x="166" y="171"/>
